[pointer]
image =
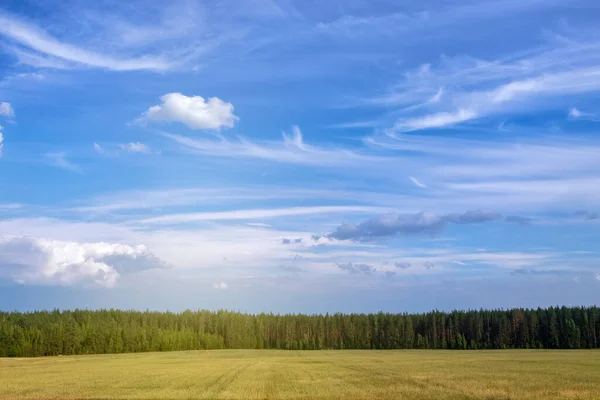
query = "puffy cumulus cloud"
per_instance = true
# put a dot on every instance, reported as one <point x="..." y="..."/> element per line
<point x="6" y="110"/>
<point x="356" y="268"/>
<point x="220" y="286"/>
<point x="523" y="221"/>
<point x="195" y="112"/>
<point x="425" y="222"/>
<point x="29" y="260"/>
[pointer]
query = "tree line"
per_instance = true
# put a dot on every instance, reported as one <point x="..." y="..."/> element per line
<point x="47" y="333"/>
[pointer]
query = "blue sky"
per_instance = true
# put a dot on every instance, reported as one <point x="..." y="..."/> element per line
<point x="299" y="156"/>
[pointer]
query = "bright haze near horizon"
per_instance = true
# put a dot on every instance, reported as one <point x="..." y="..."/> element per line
<point x="299" y="156"/>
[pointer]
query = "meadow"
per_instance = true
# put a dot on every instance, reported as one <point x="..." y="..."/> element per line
<point x="279" y="374"/>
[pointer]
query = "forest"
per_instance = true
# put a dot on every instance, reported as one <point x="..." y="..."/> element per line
<point x="48" y="333"/>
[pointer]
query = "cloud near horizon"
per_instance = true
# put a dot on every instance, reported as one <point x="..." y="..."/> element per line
<point x="29" y="260"/>
<point x="422" y="223"/>
<point x="359" y="268"/>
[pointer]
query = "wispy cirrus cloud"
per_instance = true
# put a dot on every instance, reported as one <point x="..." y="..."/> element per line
<point x="436" y="120"/>
<point x="254" y="214"/>
<point x="532" y="173"/>
<point x="475" y="88"/>
<point x="135" y="147"/>
<point x="417" y="182"/>
<point x="60" y="160"/>
<point x="575" y="113"/>
<point x="39" y="42"/>
<point x="116" y="149"/>
<point x="292" y="149"/>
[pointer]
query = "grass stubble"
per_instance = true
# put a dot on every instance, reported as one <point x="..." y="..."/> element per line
<point x="273" y="374"/>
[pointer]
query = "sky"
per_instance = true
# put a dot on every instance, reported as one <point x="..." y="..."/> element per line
<point x="299" y="156"/>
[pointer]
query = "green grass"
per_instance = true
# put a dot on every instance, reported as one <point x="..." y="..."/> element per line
<point x="270" y="374"/>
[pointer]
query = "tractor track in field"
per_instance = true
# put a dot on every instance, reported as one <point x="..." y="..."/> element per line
<point x="222" y="382"/>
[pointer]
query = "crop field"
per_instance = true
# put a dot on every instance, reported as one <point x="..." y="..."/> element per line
<point x="273" y="374"/>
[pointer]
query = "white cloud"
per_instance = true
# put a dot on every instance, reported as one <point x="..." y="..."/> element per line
<point x="205" y="196"/>
<point x="6" y="110"/>
<point x="41" y="42"/>
<point x="60" y="160"/>
<point x="258" y="224"/>
<point x="476" y="88"/>
<point x="598" y="276"/>
<point x="437" y="97"/>
<point x="417" y="182"/>
<point x="30" y="260"/>
<point x="291" y="150"/>
<point x="11" y="206"/>
<point x="436" y="120"/>
<point x="295" y="140"/>
<point x="136" y="147"/>
<point x="41" y="61"/>
<point x="575" y="113"/>
<point x="257" y="214"/>
<point x="534" y="174"/>
<point x="220" y="286"/>
<point x="194" y="111"/>
<point x="220" y="253"/>
<point x="117" y="149"/>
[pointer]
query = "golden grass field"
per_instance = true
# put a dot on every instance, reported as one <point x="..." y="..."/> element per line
<point x="272" y="374"/>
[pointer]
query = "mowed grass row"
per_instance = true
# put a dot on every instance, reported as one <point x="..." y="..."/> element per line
<point x="272" y="374"/>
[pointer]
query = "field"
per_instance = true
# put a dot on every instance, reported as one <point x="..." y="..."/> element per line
<point x="271" y="374"/>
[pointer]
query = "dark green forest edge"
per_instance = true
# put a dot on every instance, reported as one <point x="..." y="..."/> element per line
<point x="49" y="333"/>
